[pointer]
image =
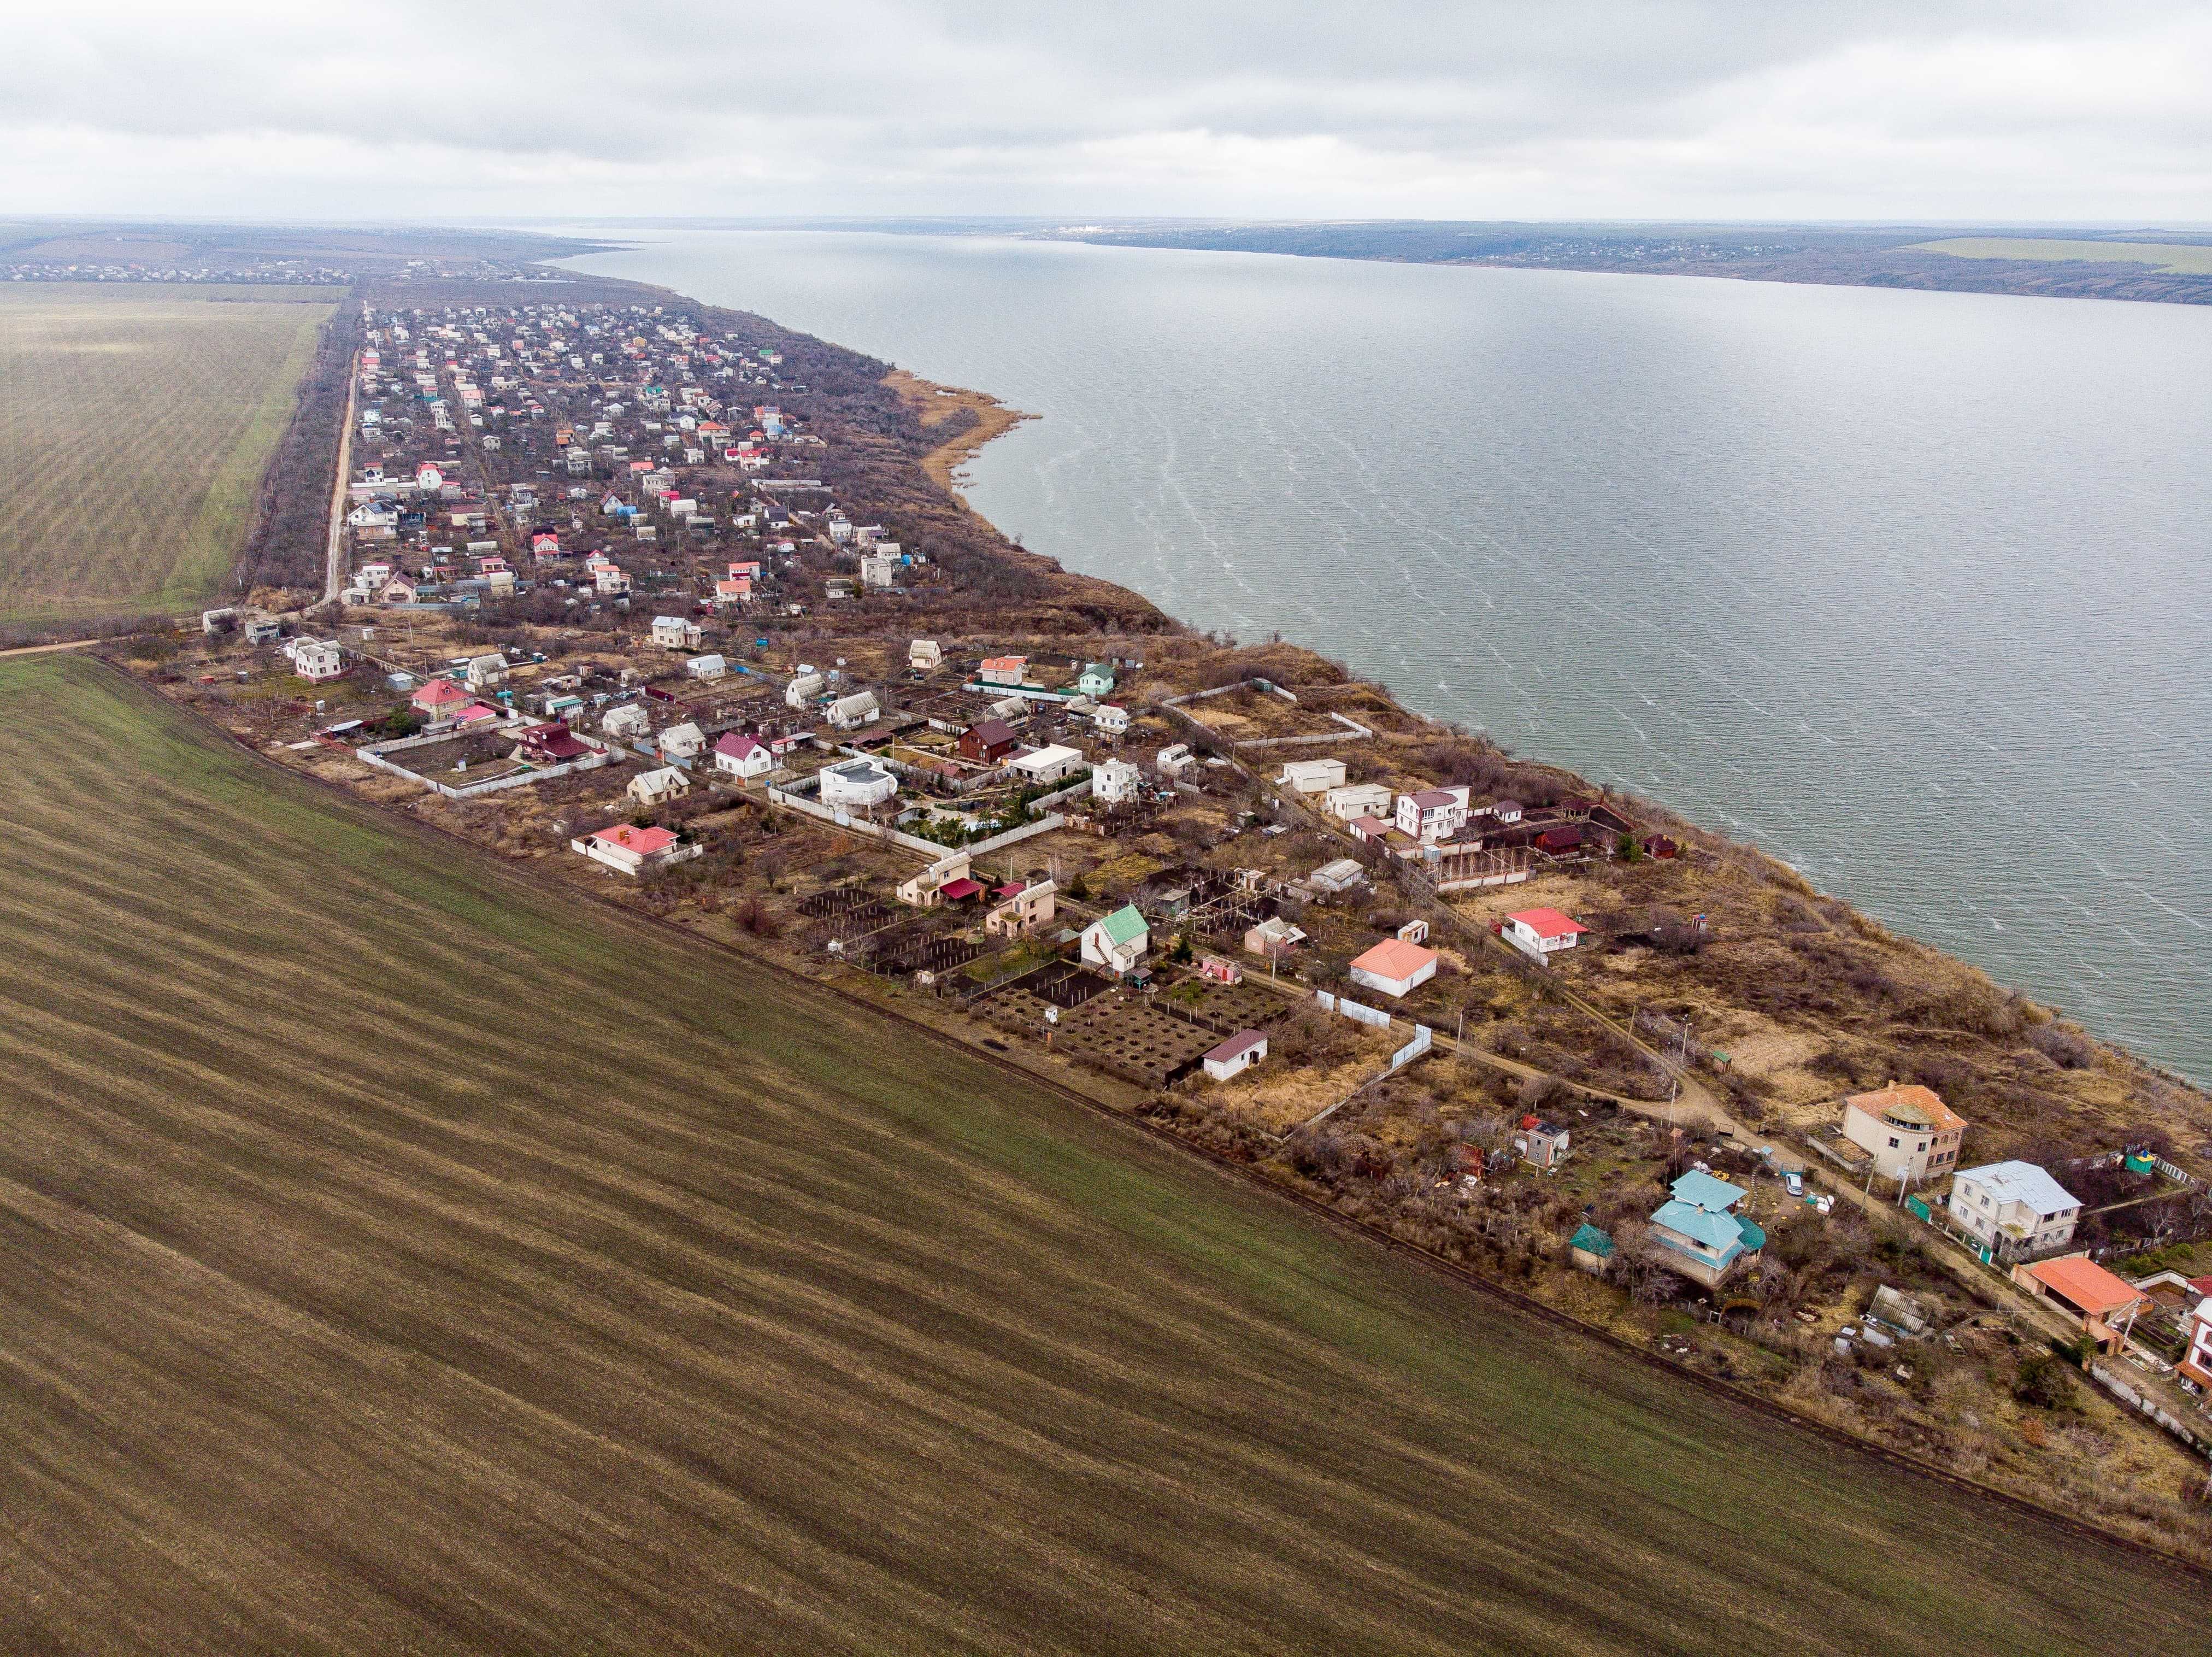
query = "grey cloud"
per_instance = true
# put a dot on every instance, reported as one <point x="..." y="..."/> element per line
<point x="1620" y="105"/>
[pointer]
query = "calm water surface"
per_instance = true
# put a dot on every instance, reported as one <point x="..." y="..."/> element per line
<point x="1914" y="590"/>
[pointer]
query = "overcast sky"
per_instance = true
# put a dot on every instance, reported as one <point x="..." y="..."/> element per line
<point x="467" y="108"/>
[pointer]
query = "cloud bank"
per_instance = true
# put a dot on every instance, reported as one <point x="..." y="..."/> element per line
<point x="1611" y="108"/>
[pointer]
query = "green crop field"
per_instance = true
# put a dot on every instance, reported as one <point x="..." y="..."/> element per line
<point x="396" y="1254"/>
<point x="135" y="424"/>
<point x="2166" y="256"/>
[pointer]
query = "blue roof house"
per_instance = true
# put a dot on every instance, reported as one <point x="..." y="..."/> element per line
<point x="1704" y="1240"/>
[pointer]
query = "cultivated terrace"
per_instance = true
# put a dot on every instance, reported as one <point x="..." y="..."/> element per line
<point x="665" y="602"/>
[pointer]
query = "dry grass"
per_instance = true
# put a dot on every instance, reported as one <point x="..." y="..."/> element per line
<point x="2194" y="259"/>
<point x="134" y="422"/>
<point x="397" y="1255"/>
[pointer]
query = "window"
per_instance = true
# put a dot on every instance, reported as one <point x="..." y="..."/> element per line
<point x="1892" y="1141"/>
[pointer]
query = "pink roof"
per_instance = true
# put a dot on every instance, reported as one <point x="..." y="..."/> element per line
<point x="438" y="692"/>
<point x="1430" y="798"/>
<point x="738" y="746"/>
<point x="642" y="841"/>
<point x="1394" y="957"/>
<point x="476" y="712"/>
<point x="1549" y="923"/>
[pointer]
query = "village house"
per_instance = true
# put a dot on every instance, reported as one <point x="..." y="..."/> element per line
<point x="1047" y="765"/>
<point x="1909" y="1131"/>
<point x="851" y="713"/>
<point x="1542" y="1145"/>
<point x="742" y="757"/>
<point x="803" y="689"/>
<point x="633" y="851"/>
<point x="318" y="659"/>
<point x="924" y="655"/>
<point x="1430" y="815"/>
<point x="1237" y="1055"/>
<point x="1117" y="941"/>
<point x="1174" y="760"/>
<point x="1541" y="932"/>
<point x="857" y="784"/>
<point x="1273" y="939"/>
<point x="1009" y="671"/>
<point x="1357" y="800"/>
<point x="2105" y="1306"/>
<point x="1022" y="911"/>
<point x="486" y="671"/>
<point x="439" y="698"/>
<point x="987" y="741"/>
<point x="551" y="745"/>
<point x="1704" y="1240"/>
<point x="2015" y="1209"/>
<point x="932" y="886"/>
<point x="653" y="788"/>
<point x="1395" y="967"/>
<point x="628" y="721"/>
<point x="1312" y="775"/>
<point x="675" y="633"/>
<point x="1110" y="721"/>
<point x="1096" y="679"/>
<point x="1115" y="781"/>
<point x="707" y="667"/>
<point x="684" y="741"/>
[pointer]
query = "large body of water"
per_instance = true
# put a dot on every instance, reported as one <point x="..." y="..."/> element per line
<point x="1914" y="590"/>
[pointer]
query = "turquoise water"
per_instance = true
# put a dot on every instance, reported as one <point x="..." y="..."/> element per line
<point x="1912" y="589"/>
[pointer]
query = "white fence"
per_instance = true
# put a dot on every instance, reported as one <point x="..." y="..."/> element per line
<point x="1352" y="1009"/>
<point x="1424" y="1037"/>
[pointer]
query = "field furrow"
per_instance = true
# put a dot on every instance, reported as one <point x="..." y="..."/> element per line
<point x="396" y="1255"/>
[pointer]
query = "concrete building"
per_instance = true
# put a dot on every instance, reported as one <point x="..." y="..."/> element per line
<point x="1115" y="781"/>
<point x="857" y="783"/>
<point x="1313" y="776"/>
<point x="1909" y="1131"/>
<point x="2015" y="1211"/>
<point x="1356" y="800"/>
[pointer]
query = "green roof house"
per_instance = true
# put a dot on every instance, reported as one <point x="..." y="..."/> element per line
<point x="1590" y="1249"/>
<point x="1707" y="1242"/>
<point x="1098" y="680"/>
<point x="1118" y="941"/>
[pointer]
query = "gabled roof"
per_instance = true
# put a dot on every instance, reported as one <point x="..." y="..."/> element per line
<point x="1238" y="1046"/>
<point x="1124" y="925"/>
<point x="738" y="746"/>
<point x="1549" y="922"/>
<point x="2022" y="1182"/>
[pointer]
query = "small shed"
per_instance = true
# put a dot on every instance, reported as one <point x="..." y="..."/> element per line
<point x="1237" y="1055"/>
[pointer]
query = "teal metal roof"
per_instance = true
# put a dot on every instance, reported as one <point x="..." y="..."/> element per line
<point x="1753" y="1239"/>
<point x="1125" y="925"/>
<point x="1716" y="1231"/>
<point x="1705" y="1191"/>
<point x="1591" y="1240"/>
